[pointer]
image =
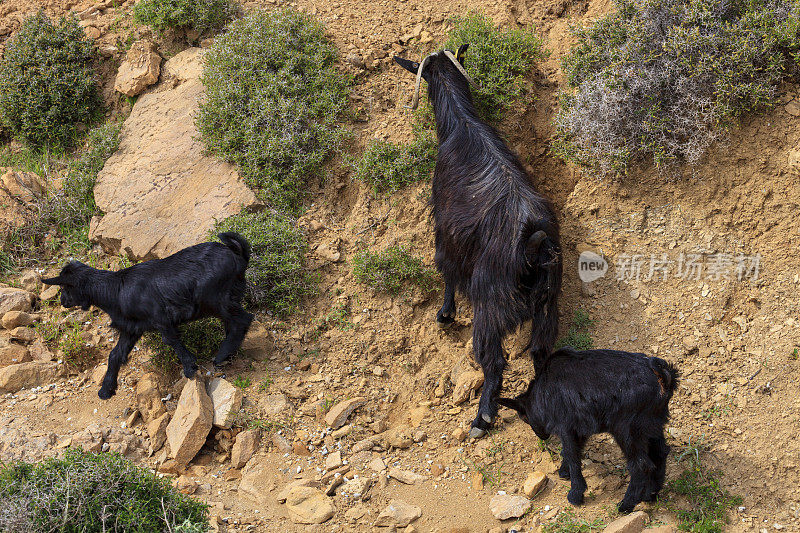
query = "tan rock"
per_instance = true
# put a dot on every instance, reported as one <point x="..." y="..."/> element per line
<point x="337" y="416"/>
<point x="275" y="405"/>
<point x="400" y="437"/>
<point x="12" y="354"/>
<point x="307" y="505"/>
<point x="505" y="506"/>
<point x="467" y="382"/>
<point x="40" y="352"/>
<point x="99" y="373"/>
<point x="281" y="443"/>
<point x="244" y="447"/>
<point x="226" y="399"/>
<point x="15" y="319"/>
<point x="12" y="299"/>
<point x="49" y="292"/>
<point x="31" y="374"/>
<point x="139" y="70"/>
<point x="191" y="422"/>
<point x="406" y="476"/>
<point x="632" y="523"/>
<point x="662" y="529"/>
<point x="25" y="186"/>
<point x="30" y="280"/>
<point x="148" y="397"/>
<point x="534" y="483"/>
<point x="159" y="192"/>
<point x="302" y="482"/>
<point x="157" y="430"/>
<point x="333" y="460"/>
<point x="418" y="414"/>
<point x="186" y="485"/>
<point x="255" y="484"/>
<point x="398" y="513"/>
<point x="23" y="334"/>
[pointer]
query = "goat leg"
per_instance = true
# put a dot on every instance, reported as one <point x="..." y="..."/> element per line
<point x="447" y="314"/>
<point x="571" y="452"/>
<point x="488" y="346"/>
<point x="118" y="356"/>
<point x="236" y="326"/>
<point x="187" y="358"/>
<point x="640" y="468"/>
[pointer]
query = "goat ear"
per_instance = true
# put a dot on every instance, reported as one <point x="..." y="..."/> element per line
<point x="512" y="403"/>
<point x="58" y="280"/>
<point x="411" y="66"/>
<point x="460" y="53"/>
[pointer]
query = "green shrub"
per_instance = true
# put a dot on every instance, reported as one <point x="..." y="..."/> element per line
<point x="276" y="278"/>
<point x="84" y="492"/>
<point x="708" y="503"/>
<point x="181" y="14"/>
<point x="664" y="79"/>
<point x="47" y="82"/>
<point x="498" y="60"/>
<point x="390" y="270"/>
<point x="72" y="345"/>
<point x="578" y="335"/>
<point x="273" y="96"/>
<point x="202" y="338"/>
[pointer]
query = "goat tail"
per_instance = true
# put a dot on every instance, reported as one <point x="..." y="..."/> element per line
<point x="236" y="243"/>
<point x="667" y="375"/>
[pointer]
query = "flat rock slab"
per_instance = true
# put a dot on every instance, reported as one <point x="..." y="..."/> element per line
<point x="191" y="422"/>
<point x="32" y="374"/>
<point x="398" y="513"/>
<point x="159" y="192"/>
<point x="632" y="523"/>
<point x="337" y="416"/>
<point x="505" y="506"/>
<point x="307" y="505"/>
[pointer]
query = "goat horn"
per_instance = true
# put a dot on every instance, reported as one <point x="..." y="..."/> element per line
<point x="415" y="99"/>
<point x="460" y="68"/>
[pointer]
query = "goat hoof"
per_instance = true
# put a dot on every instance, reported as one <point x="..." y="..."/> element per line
<point x="190" y="372"/>
<point x="444" y="322"/>
<point x="105" y="394"/>
<point x="575" y="498"/>
<point x="624" y="507"/>
<point x="476" y="433"/>
<point x="222" y="364"/>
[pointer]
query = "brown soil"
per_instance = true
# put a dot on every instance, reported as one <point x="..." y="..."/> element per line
<point x="732" y="340"/>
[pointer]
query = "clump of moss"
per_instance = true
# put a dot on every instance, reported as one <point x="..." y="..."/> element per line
<point x="48" y="87"/>
<point x="182" y="14"/>
<point x="578" y="335"/>
<point x="276" y="278"/>
<point x="662" y="80"/>
<point x="93" y="493"/>
<point x="498" y="60"/>
<point x="392" y="270"/>
<point x="273" y="97"/>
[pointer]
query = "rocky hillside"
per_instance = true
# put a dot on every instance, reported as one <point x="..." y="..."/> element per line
<point x="351" y="414"/>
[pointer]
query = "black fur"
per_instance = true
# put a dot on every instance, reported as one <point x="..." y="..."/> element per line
<point x="159" y="295"/>
<point x="580" y="393"/>
<point x="497" y="239"/>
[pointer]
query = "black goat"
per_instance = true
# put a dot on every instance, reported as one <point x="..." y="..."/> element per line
<point x="203" y="280"/>
<point x="580" y="393"/>
<point x="496" y="238"/>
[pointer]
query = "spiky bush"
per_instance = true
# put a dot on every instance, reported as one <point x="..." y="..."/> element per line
<point x="47" y="82"/>
<point x="497" y="59"/>
<point x="663" y="79"/>
<point x="276" y="278"/>
<point x="181" y="14"/>
<point x="273" y="96"/>
<point x="85" y="492"/>
<point x="392" y="270"/>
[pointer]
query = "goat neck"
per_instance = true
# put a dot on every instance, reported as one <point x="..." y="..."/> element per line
<point x="452" y="101"/>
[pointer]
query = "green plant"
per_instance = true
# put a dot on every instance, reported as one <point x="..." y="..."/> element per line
<point x="490" y="467"/>
<point x="273" y="96"/>
<point x="663" y="79"/>
<point x="241" y="382"/>
<point x="72" y="346"/>
<point x="338" y="317"/>
<point x="795" y="354"/>
<point x="198" y="14"/>
<point x="498" y="60"/>
<point x="202" y="337"/>
<point x="92" y="493"/>
<point x="265" y="384"/>
<point x="47" y="82"/>
<point x="567" y="522"/>
<point x="578" y="335"/>
<point x="276" y="278"/>
<point x="391" y="269"/>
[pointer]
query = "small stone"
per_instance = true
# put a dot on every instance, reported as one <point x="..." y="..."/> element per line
<point x="534" y="483"/>
<point x="157" y="430"/>
<point x="298" y="448"/>
<point x="12" y="299"/>
<point x="333" y="460"/>
<point x="189" y="427"/>
<point x="15" y="319"/>
<point x="326" y="252"/>
<point x="477" y="481"/>
<point x="632" y="523"/>
<point x="505" y="506"/>
<point x="406" y="476"/>
<point x="132" y="418"/>
<point x="186" y="485"/>
<point x="398" y="513"/>
<point x="690" y="342"/>
<point x="226" y="400"/>
<point x="307" y="505"/>
<point x="400" y="437"/>
<point x="793" y="108"/>
<point x="40" y="352"/>
<point x="244" y="447"/>
<point x="23" y="334"/>
<point x="437" y="469"/>
<point x="467" y="382"/>
<point x="140" y="69"/>
<point x="418" y="414"/>
<point x="281" y="443"/>
<point x="337" y="416"/>
<point x="342" y="432"/>
<point x="355" y="59"/>
<point x="31" y="280"/>
<point x="356" y="488"/>
<point x="377" y="465"/>
<point x="275" y="405"/>
<point x="49" y="292"/>
<point x="459" y="434"/>
<point x="148" y="397"/>
<point x="12" y="354"/>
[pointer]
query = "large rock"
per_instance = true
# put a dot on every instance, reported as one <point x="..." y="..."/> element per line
<point x="157" y="430"/>
<point x="505" y="506"/>
<point x="226" y="399"/>
<point x="339" y="413"/>
<point x="632" y="523"/>
<point x="398" y="513"/>
<point x="191" y="422"/>
<point x="159" y="192"/>
<point x="11" y="354"/>
<point x="244" y="447"/>
<point x="15" y="319"/>
<point x="32" y="374"/>
<point x="307" y="505"/>
<point x="256" y="481"/>
<point x="12" y="299"/>
<point x="140" y="69"/>
<point x="25" y="186"/>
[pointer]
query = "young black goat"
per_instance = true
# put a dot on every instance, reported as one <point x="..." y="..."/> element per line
<point x="158" y="295"/>
<point x="580" y="393"/>
<point x="496" y="238"/>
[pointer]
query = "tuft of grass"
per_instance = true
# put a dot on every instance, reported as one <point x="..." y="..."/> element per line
<point x="392" y="269"/>
<point x="662" y="80"/>
<point x="498" y="60"/>
<point x="72" y="346"/>
<point x="93" y="492"/>
<point x="273" y="97"/>
<point x="704" y="503"/>
<point x="241" y="382"/>
<point x="276" y="278"/>
<point x="182" y="14"/>
<point x="48" y="86"/>
<point x="338" y="317"/>
<point x="202" y="338"/>
<point x="578" y="335"/>
<point x="567" y="522"/>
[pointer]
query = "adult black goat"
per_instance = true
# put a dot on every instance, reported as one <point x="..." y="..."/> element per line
<point x="580" y="393"/>
<point x="203" y="280"/>
<point x="496" y="238"/>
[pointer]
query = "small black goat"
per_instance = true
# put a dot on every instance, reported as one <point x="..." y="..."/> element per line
<point x="203" y="280"/>
<point x="496" y="238"/>
<point x="580" y="393"/>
